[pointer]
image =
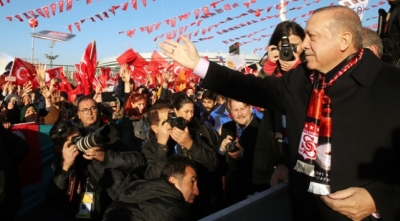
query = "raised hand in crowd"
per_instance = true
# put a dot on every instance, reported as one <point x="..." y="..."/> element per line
<point x="7" y="125"/>
<point x="41" y="73"/>
<point x="97" y="95"/>
<point x="69" y="153"/>
<point x="126" y="77"/>
<point x="11" y="103"/>
<point x="185" y="54"/>
<point x="55" y="99"/>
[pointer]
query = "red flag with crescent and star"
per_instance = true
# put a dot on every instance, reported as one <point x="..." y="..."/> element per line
<point x="23" y="71"/>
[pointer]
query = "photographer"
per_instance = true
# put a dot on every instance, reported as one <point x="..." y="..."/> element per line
<point x="284" y="51"/>
<point x="97" y="172"/>
<point x="238" y="139"/>
<point x="165" y="140"/>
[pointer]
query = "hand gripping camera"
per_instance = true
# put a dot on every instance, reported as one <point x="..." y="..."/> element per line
<point x="287" y="49"/>
<point x="175" y="121"/>
<point x="231" y="146"/>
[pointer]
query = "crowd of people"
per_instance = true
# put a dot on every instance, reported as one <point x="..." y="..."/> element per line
<point x="322" y="118"/>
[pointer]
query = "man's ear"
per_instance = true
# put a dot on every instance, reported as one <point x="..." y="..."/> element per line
<point x="154" y="128"/>
<point x="172" y="179"/>
<point x="345" y="41"/>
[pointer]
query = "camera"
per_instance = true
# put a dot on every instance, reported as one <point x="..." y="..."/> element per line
<point x="175" y="121"/>
<point x="231" y="147"/>
<point x="97" y="139"/>
<point x="287" y="49"/>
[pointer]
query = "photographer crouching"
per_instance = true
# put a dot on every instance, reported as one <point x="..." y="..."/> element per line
<point x="89" y="172"/>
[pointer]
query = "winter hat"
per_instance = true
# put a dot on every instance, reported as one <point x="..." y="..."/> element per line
<point x="24" y="109"/>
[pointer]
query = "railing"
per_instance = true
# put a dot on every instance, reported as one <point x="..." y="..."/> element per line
<point x="272" y="204"/>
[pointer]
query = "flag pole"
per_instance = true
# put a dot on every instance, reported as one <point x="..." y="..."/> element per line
<point x="91" y="50"/>
<point x="33" y="45"/>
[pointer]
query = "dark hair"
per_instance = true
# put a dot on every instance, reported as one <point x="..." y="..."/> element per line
<point x="286" y="28"/>
<point x="152" y="116"/>
<point x="84" y="98"/>
<point x="179" y="99"/>
<point x="60" y="131"/>
<point x="209" y="95"/>
<point x="176" y="166"/>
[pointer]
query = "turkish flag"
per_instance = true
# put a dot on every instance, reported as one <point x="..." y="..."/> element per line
<point x="61" y="5"/>
<point x="54" y="73"/>
<point x="158" y="25"/>
<point x="26" y="15"/>
<point x="39" y="11"/>
<point x="105" y="14"/>
<point x="79" y="88"/>
<point x="157" y="63"/>
<point x="19" y="17"/>
<point x="46" y="11"/>
<point x="144" y="3"/>
<point x="70" y="28"/>
<point x="134" y="4"/>
<point x="130" y="33"/>
<point x="77" y="26"/>
<point x="88" y="2"/>
<point x="104" y="76"/>
<point x="88" y="66"/>
<point x="53" y="8"/>
<point x="136" y="63"/>
<point x="196" y="13"/>
<point x="124" y="6"/>
<point x="99" y="16"/>
<point x="1" y="3"/>
<point x="33" y="13"/>
<point x="23" y="71"/>
<point x="206" y="11"/>
<point x="173" y="22"/>
<point x="31" y="167"/>
<point x="69" y="5"/>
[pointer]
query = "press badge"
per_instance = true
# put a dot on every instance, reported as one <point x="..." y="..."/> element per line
<point x="86" y="206"/>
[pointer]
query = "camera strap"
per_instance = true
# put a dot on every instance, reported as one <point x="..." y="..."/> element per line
<point x="71" y="185"/>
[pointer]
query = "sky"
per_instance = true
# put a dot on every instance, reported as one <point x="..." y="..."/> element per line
<point x="16" y="41"/>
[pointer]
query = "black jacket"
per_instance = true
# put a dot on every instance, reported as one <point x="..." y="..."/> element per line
<point x="107" y="179"/>
<point x="13" y="150"/>
<point x="156" y="155"/>
<point x="365" y="129"/>
<point x="149" y="200"/>
<point x="133" y="132"/>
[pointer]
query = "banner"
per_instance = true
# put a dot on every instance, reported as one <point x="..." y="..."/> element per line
<point x="358" y="6"/>
<point x="35" y="170"/>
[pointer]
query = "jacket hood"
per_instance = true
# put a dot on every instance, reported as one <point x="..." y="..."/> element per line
<point x="144" y="190"/>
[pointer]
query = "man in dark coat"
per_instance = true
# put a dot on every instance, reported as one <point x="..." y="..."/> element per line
<point x="243" y="130"/>
<point x="364" y="159"/>
<point x="165" y="198"/>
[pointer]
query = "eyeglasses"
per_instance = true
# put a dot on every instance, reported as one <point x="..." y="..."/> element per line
<point x="86" y="110"/>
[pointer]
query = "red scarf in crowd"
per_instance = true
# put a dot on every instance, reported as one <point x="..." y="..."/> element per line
<point x="314" y="152"/>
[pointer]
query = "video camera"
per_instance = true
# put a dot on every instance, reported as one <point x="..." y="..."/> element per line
<point x="175" y="121"/>
<point x="99" y="138"/>
<point x="287" y="49"/>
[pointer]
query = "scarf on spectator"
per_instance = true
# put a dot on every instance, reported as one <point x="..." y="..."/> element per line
<point x="314" y="152"/>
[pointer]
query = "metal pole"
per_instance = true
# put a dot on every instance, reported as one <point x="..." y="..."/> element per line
<point x="33" y="45"/>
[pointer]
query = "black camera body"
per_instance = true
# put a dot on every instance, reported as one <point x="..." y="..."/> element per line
<point x="99" y="138"/>
<point x="287" y="49"/>
<point x="231" y="147"/>
<point x="175" y="121"/>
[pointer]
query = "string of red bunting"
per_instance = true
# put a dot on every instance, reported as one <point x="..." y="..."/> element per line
<point x="2" y="4"/>
<point x="45" y="10"/>
<point x="123" y="6"/>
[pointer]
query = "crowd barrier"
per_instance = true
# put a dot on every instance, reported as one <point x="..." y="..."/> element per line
<point x="272" y="204"/>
